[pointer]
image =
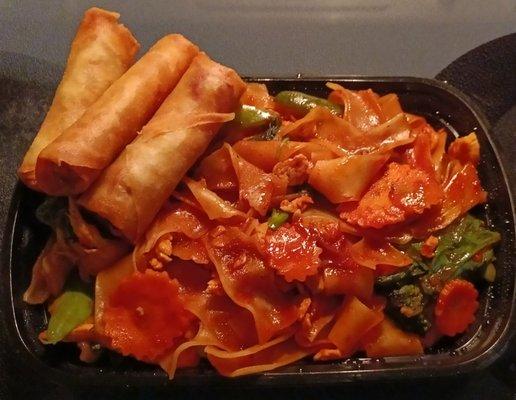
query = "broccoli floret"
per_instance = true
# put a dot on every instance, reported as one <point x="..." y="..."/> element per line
<point x="406" y="306"/>
<point x="408" y="299"/>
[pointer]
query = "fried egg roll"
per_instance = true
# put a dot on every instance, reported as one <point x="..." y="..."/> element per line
<point x="131" y="191"/>
<point x="76" y="158"/>
<point x="102" y="50"/>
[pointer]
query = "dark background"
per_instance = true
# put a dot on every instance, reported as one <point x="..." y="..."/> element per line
<point x="267" y="38"/>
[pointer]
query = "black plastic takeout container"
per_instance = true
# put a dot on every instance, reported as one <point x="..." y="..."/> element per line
<point x="443" y="106"/>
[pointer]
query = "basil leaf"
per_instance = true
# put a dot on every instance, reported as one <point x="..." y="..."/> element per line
<point x="461" y="241"/>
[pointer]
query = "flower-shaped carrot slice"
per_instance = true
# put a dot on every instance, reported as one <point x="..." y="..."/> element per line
<point x="145" y="315"/>
<point x="456" y="307"/>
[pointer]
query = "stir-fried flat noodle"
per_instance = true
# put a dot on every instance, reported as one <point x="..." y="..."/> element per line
<point x="249" y="283"/>
<point x="222" y="322"/>
<point x="255" y="186"/>
<point x="167" y="147"/>
<point x="85" y="249"/>
<point x="217" y="170"/>
<point x="355" y="320"/>
<point x="388" y="340"/>
<point x="346" y="178"/>
<point x="320" y="123"/>
<point x="50" y="271"/>
<point x="178" y="227"/>
<point x="361" y="108"/>
<point x="213" y="205"/>
<point x="313" y="333"/>
<point x="371" y="253"/>
<point x="102" y="50"/>
<point x="172" y="361"/>
<point x="74" y="160"/>
<point x="265" y="229"/>
<point x="276" y="353"/>
<point x="257" y="95"/>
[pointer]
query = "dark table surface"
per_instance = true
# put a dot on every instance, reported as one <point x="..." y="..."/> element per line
<point x="29" y="73"/>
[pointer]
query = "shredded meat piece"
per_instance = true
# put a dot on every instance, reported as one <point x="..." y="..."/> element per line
<point x="163" y="252"/>
<point x="296" y="169"/>
<point x="155" y="264"/>
<point x="297" y="205"/>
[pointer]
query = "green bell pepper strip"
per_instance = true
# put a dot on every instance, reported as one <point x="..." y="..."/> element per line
<point x="300" y="104"/>
<point x="247" y="117"/>
<point x="71" y="309"/>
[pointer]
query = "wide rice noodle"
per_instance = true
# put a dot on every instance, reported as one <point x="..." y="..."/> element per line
<point x="250" y="283"/>
<point x="265" y="357"/>
<point x="346" y="178"/>
<point x="51" y="269"/>
<point x="184" y="224"/>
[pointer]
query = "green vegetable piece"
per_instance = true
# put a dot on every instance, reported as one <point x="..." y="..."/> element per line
<point x="300" y="104"/>
<point x="408" y="299"/>
<point x="490" y="273"/>
<point x="406" y="306"/>
<point x="277" y="219"/>
<point x="408" y="291"/>
<point x="418" y="324"/>
<point x="250" y="117"/>
<point x="268" y="134"/>
<point x="470" y="268"/>
<point x="461" y="241"/>
<point x="413" y="250"/>
<point x="71" y="309"/>
<point x="247" y="117"/>
<point x="454" y="253"/>
<point x="407" y="276"/>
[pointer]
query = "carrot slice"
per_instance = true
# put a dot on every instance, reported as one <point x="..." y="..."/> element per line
<point x="456" y="307"/>
<point x="145" y="316"/>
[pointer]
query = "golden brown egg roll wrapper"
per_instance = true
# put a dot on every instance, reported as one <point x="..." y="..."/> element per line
<point x="76" y="158"/>
<point x="132" y="190"/>
<point x="102" y="50"/>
